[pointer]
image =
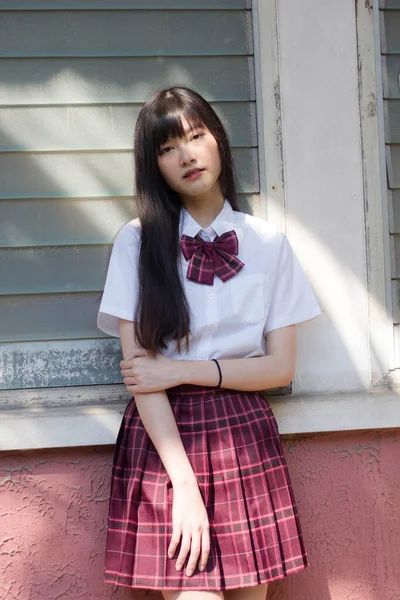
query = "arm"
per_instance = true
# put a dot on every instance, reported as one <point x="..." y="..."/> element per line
<point x="190" y="521"/>
<point x="157" y="417"/>
<point x="143" y="374"/>
<point x="260" y="373"/>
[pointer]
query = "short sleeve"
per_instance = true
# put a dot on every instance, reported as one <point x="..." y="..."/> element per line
<point x="293" y="300"/>
<point x="120" y="290"/>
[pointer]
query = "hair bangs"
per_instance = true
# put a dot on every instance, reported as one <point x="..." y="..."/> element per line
<point x="174" y="124"/>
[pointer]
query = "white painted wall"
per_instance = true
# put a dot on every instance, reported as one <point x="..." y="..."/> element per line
<point x="324" y="187"/>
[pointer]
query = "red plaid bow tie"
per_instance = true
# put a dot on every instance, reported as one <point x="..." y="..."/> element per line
<point x="208" y="258"/>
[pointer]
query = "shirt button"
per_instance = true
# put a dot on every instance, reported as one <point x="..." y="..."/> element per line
<point x="202" y="356"/>
<point x="211" y="296"/>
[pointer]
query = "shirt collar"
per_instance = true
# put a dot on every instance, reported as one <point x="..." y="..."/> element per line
<point x="223" y="222"/>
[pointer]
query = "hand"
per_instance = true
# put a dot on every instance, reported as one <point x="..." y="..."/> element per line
<point x="144" y="374"/>
<point x="191" y="528"/>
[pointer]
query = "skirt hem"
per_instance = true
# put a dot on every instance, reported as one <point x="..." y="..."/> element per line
<point x="235" y="586"/>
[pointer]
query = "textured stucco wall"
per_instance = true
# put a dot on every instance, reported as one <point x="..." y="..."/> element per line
<point x="54" y="506"/>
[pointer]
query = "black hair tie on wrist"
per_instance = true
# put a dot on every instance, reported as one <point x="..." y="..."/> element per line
<point x="219" y="371"/>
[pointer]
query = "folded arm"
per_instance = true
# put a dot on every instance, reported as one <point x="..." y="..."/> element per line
<point x="258" y="373"/>
<point x="276" y="369"/>
<point x="158" y="419"/>
<point x="189" y="515"/>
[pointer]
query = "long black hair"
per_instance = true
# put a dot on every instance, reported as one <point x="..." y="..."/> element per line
<point x="162" y="313"/>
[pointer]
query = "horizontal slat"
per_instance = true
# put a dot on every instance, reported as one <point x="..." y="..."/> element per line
<point x="396" y="211"/>
<point x="49" y="317"/>
<point x="62" y="221"/>
<point x="393" y="162"/>
<point x="392" y="121"/>
<point x="53" y="269"/>
<point x="59" y="363"/>
<point x="31" y="81"/>
<point x="389" y="3"/>
<point x="100" y="127"/>
<point x="91" y="174"/>
<point x="123" y="33"/>
<point x="396" y="245"/>
<point x="391" y="23"/>
<point x="52" y="221"/>
<point x="391" y="66"/>
<point x="396" y="300"/>
<point x="122" y="4"/>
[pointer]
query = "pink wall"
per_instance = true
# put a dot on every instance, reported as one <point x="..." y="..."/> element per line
<point x="54" y="506"/>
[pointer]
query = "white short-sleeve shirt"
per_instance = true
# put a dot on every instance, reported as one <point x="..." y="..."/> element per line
<point x="231" y="319"/>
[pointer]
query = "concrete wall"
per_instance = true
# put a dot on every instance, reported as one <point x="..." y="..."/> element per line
<point x="54" y="507"/>
<point x="326" y="65"/>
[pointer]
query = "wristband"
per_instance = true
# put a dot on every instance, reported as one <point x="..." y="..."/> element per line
<point x="219" y="371"/>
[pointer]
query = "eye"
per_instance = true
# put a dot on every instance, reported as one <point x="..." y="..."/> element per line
<point x="165" y="150"/>
<point x="198" y="135"/>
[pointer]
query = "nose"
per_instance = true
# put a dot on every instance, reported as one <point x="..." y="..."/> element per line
<point x="187" y="156"/>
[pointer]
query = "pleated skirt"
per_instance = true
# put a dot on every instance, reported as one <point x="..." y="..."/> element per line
<point x="233" y="444"/>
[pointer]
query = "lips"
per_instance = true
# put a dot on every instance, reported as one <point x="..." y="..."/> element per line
<point x="192" y="172"/>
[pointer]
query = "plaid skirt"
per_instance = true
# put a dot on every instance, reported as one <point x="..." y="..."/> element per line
<point x="233" y="444"/>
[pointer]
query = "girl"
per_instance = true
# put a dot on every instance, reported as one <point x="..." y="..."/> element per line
<point x="205" y="300"/>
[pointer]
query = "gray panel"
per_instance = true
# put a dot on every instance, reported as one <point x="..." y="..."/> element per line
<point x="396" y="211"/>
<point x="53" y="269"/>
<point x="390" y="3"/>
<point x="49" y="317"/>
<point x="394" y="169"/>
<point x="123" y="4"/>
<point x="52" y="221"/>
<point x="60" y="363"/>
<point x="91" y="174"/>
<point x="392" y="125"/>
<point x="99" y="127"/>
<point x="66" y="175"/>
<point x="396" y="300"/>
<point x="246" y="165"/>
<point x="391" y="81"/>
<point x="396" y="265"/>
<point x="30" y="81"/>
<point x="123" y="33"/>
<point x="392" y="31"/>
<point x="62" y="221"/>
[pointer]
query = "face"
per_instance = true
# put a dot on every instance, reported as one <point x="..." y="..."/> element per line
<point x="191" y="165"/>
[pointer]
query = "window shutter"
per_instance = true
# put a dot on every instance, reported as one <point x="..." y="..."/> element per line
<point x="390" y="37"/>
<point x="73" y="76"/>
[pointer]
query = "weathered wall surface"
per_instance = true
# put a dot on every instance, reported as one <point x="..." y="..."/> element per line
<point x="54" y="508"/>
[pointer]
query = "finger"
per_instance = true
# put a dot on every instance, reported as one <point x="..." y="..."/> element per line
<point x="183" y="552"/>
<point x="125" y="364"/>
<point x="195" y="548"/>
<point x="127" y="371"/>
<point x="176" y="538"/>
<point x="205" y="549"/>
<point x="130" y="380"/>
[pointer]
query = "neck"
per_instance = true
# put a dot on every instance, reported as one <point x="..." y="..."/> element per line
<point x="205" y="208"/>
